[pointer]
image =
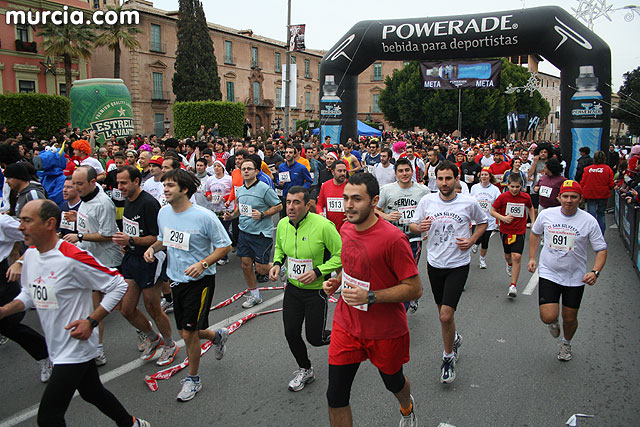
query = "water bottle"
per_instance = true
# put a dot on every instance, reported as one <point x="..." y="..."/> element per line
<point x="330" y="110"/>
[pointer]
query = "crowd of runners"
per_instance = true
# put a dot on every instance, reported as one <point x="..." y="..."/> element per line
<point x="89" y="229"/>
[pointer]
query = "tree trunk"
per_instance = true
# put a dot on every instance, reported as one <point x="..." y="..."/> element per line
<point x="116" y="61"/>
<point x="67" y="73"/>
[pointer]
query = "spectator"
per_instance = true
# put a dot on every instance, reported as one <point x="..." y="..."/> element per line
<point x="584" y="161"/>
<point x="597" y="183"/>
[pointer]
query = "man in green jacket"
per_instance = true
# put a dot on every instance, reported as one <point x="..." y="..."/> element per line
<point x="312" y="246"/>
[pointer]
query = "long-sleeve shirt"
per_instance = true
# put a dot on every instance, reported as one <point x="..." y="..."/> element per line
<point x="290" y="176"/>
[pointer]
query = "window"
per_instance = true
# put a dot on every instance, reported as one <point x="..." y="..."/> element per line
<point x="377" y="71"/>
<point x="159" y="123"/>
<point x="278" y="63"/>
<point x="278" y="97"/>
<point x="228" y="52"/>
<point x="156" y="38"/>
<point x="307" y="101"/>
<point x="293" y="59"/>
<point x="307" y="68"/>
<point x="231" y="92"/>
<point x="254" y="56"/>
<point x="22" y="31"/>
<point x="256" y="93"/>
<point x="26" y="86"/>
<point x="375" y="108"/>
<point x="157" y="86"/>
<point x="62" y="89"/>
<point x="96" y="4"/>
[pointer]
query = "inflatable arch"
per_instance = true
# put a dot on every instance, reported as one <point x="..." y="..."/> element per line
<point x="582" y="57"/>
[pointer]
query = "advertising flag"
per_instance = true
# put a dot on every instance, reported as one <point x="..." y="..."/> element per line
<point x="296" y="39"/>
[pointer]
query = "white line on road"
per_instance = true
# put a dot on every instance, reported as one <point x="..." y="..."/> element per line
<point x="445" y="425"/>
<point x="32" y="411"/>
<point x="533" y="282"/>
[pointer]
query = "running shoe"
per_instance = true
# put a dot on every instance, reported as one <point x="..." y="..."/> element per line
<point x="167" y="306"/>
<point x="448" y="370"/>
<point x="410" y="420"/>
<point x="3" y="340"/>
<point x="151" y="347"/>
<point x="189" y="389"/>
<point x="554" y="329"/>
<point x="513" y="292"/>
<point x="413" y="306"/>
<point x="483" y="264"/>
<point x="221" y="348"/>
<point x="167" y="354"/>
<point x="509" y="268"/>
<point x="141" y="423"/>
<point x="262" y="278"/>
<point x="223" y="261"/>
<point x="251" y="301"/>
<point x="142" y="340"/>
<point x="474" y="249"/>
<point x="301" y="378"/>
<point x="565" y="352"/>
<point x="101" y="358"/>
<point x="456" y="346"/>
<point x="45" y="369"/>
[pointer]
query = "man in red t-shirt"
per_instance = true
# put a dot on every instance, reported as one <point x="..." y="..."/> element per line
<point x="510" y="209"/>
<point x="499" y="167"/>
<point x="370" y="321"/>
<point x="330" y="203"/>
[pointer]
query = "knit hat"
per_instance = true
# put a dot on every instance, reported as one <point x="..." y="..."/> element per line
<point x="17" y="171"/>
<point x="570" y="185"/>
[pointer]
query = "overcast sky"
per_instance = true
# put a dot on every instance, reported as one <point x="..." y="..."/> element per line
<point x="328" y="20"/>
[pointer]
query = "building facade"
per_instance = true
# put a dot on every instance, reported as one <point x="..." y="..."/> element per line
<point x="24" y="67"/>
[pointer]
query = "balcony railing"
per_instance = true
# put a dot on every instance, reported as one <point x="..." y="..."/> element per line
<point x="158" y="47"/>
<point x="22" y="46"/>
<point x="230" y="60"/>
<point x="160" y="96"/>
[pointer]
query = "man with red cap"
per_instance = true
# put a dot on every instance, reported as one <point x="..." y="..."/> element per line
<point x="563" y="261"/>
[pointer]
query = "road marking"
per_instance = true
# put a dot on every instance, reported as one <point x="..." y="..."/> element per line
<point x="533" y="282"/>
<point x="445" y="425"/>
<point x="32" y="411"/>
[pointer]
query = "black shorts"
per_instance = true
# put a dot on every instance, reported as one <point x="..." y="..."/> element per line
<point x="512" y="243"/>
<point x="191" y="303"/>
<point x="255" y="246"/>
<point x="484" y="239"/>
<point x="549" y="293"/>
<point x="447" y="284"/>
<point x="135" y="268"/>
<point x="535" y="199"/>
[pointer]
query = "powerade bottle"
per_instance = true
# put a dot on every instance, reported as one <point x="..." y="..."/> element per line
<point x="586" y="116"/>
<point x="330" y="111"/>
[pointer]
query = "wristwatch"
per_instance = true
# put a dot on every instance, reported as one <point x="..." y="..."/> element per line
<point x="596" y="272"/>
<point x="131" y="243"/>
<point x="80" y="237"/>
<point x="204" y="264"/>
<point x="261" y="215"/>
<point x="371" y="297"/>
<point x="92" y="321"/>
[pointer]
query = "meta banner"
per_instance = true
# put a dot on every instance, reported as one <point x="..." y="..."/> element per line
<point x="461" y="74"/>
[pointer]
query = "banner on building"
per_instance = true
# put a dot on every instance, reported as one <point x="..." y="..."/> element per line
<point x="296" y="37"/>
<point x="461" y="74"/>
<point x="292" y="86"/>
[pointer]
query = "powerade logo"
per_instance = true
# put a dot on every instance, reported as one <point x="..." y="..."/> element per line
<point x="331" y="110"/>
<point x="589" y="109"/>
<point x="450" y="27"/>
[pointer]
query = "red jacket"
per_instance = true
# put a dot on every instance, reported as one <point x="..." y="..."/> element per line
<point x="597" y="181"/>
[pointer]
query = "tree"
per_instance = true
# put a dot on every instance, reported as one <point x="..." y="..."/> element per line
<point x="71" y="42"/>
<point x="196" y="77"/>
<point x="113" y="35"/>
<point x="628" y="109"/>
<point x="405" y="104"/>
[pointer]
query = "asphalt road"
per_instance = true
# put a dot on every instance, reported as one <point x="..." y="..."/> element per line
<point x="507" y="375"/>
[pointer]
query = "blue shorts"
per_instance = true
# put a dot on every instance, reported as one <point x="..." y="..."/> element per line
<point x="135" y="268"/>
<point x="255" y="246"/>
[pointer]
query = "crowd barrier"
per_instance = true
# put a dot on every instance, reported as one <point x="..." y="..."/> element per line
<point x="627" y="218"/>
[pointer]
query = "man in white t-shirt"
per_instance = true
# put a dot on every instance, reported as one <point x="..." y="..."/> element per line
<point x="384" y="171"/>
<point x="82" y="150"/>
<point x="154" y="185"/>
<point x="446" y="217"/>
<point x="563" y="261"/>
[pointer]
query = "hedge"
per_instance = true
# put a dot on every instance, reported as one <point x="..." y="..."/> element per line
<point x="188" y="116"/>
<point x="47" y="112"/>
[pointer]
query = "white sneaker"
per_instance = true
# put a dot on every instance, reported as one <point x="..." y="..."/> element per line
<point x="166" y="306"/>
<point x="151" y="347"/>
<point x="141" y="423"/>
<point x="221" y="348"/>
<point x="509" y="268"/>
<point x="565" y="352"/>
<point x="3" y="340"/>
<point x="303" y="377"/>
<point x="513" y="292"/>
<point x="483" y="264"/>
<point x="474" y="249"/>
<point x="45" y="369"/>
<point x="554" y="329"/>
<point x="167" y="354"/>
<point x="189" y="389"/>
<point x="101" y="358"/>
<point x="223" y="261"/>
<point x="251" y="301"/>
<point x="410" y="420"/>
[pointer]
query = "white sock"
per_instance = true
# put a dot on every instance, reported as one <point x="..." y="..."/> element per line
<point x="444" y="354"/>
<point x="481" y="258"/>
<point x="456" y="337"/>
<point x="256" y="293"/>
<point x="566" y="341"/>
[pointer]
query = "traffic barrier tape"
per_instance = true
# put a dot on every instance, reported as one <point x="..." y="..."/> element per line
<point x="165" y="374"/>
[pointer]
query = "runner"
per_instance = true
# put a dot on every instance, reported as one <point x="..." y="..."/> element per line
<point x="430" y="177"/>
<point x="330" y="203"/>
<point x="71" y="203"/>
<point x="485" y="192"/>
<point x="510" y="209"/>
<point x="384" y="171"/>
<point x="140" y="230"/>
<point x="195" y="240"/>
<point x="563" y="262"/>
<point x="311" y="245"/>
<point x="370" y="322"/>
<point x="446" y="216"/>
<point x="256" y="202"/>
<point x="57" y="280"/>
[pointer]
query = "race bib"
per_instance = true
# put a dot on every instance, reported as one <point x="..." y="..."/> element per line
<point x="561" y="240"/>
<point x="279" y="192"/>
<point x="545" y="191"/>
<point x="44" y="296"/>
<point x="83" y="223"/>
<point x="432" y="174"/>
<point x="66" y="224"/>
<point x="130" y="228"/>
<point x="163" y="202"/>
<point x="245" y="210"/>
<point x="370" y="168"/>
<point x="116" y="194"/>
<point x="484" y="205"/>
<point x="216" y="198"/>
<point x="515" y="209"/>
<point x="175" y="239"/>
<point x="298" y="267"/>
<point x="351" y="282"/>
<point x="469" y="178"/>
<point x="335" y="204"/>
<point x="284" y="176"/>
<point x="406" y="214"/>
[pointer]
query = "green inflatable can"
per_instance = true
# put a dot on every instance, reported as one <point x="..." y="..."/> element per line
<point x="103" y="105"/>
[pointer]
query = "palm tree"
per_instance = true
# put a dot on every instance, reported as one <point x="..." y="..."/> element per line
<point x="112" y="35"/>
<point x="68" y="41"/>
